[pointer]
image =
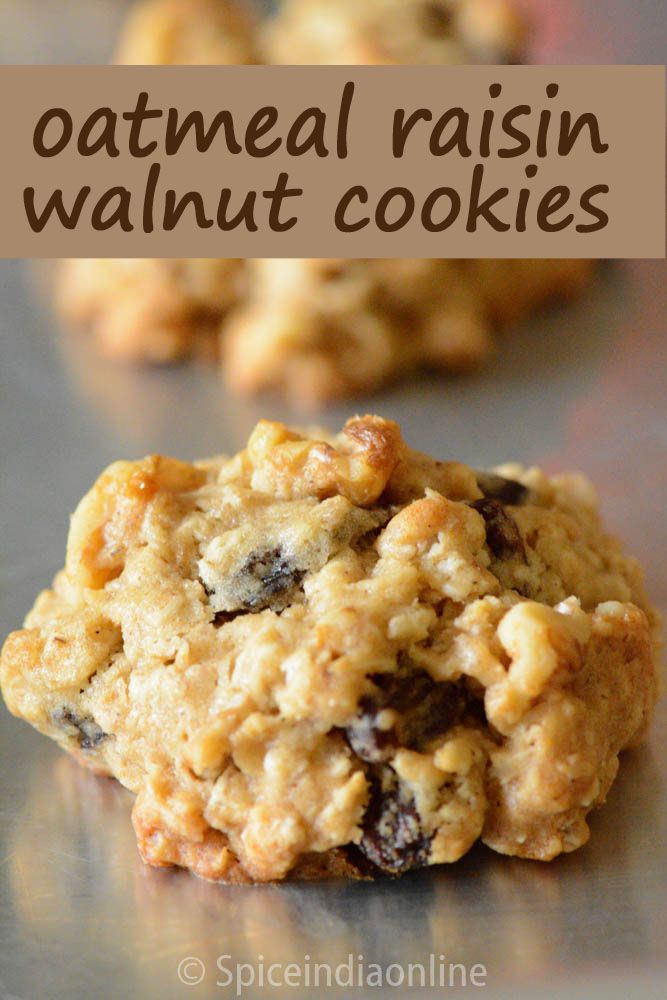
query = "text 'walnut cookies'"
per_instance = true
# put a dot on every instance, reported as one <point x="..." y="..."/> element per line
<point x="315" y="330"/>
<point x="337" y="656"/>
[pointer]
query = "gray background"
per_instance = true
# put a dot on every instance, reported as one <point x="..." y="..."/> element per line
<point x="582" y="387"/>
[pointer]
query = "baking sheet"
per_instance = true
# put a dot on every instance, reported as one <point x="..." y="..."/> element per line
<point x="582" y="387"/>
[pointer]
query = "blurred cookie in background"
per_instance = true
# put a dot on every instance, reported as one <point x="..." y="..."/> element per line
<point x="151" y="309"/>
<point x="315" y="330"/>
<point x="395" y="32"/>
<point x="318" y="330"/>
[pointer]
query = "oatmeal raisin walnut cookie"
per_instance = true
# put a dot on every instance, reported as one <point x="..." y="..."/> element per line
<point x="189" y="33"/>
<point x="335" y="655"/>
<point x="162" y="310"/>
<point x="395" y="32"/>
<point x="150" y="310"/>
<point x="321" y="329"/>
<point x="315" y="330"/>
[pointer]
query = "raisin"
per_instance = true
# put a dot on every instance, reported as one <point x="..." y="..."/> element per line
<point x="265" y="576"/>
<point x="502" y="533"/>
<point x="392" y="836"/>
<point x="266" y="579"/>
<point x="425" y="709"/>
<point x="508" y="491"/>
<point x="221" y="618"/>
<point x="366" y="739"/>
<point x="87" y="731"/>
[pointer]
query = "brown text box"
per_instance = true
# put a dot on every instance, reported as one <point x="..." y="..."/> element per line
<point x="427" y="202"/>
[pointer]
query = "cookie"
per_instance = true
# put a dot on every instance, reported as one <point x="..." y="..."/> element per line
<point x="150" y="310"/>
<point x="319" y="330"/>
<point x="338" y="656"/>
<point x="396" y="32"/>
<point x="189" y="33"/>
<point x="155" y="310"/>
<point x="315" y="330"/>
